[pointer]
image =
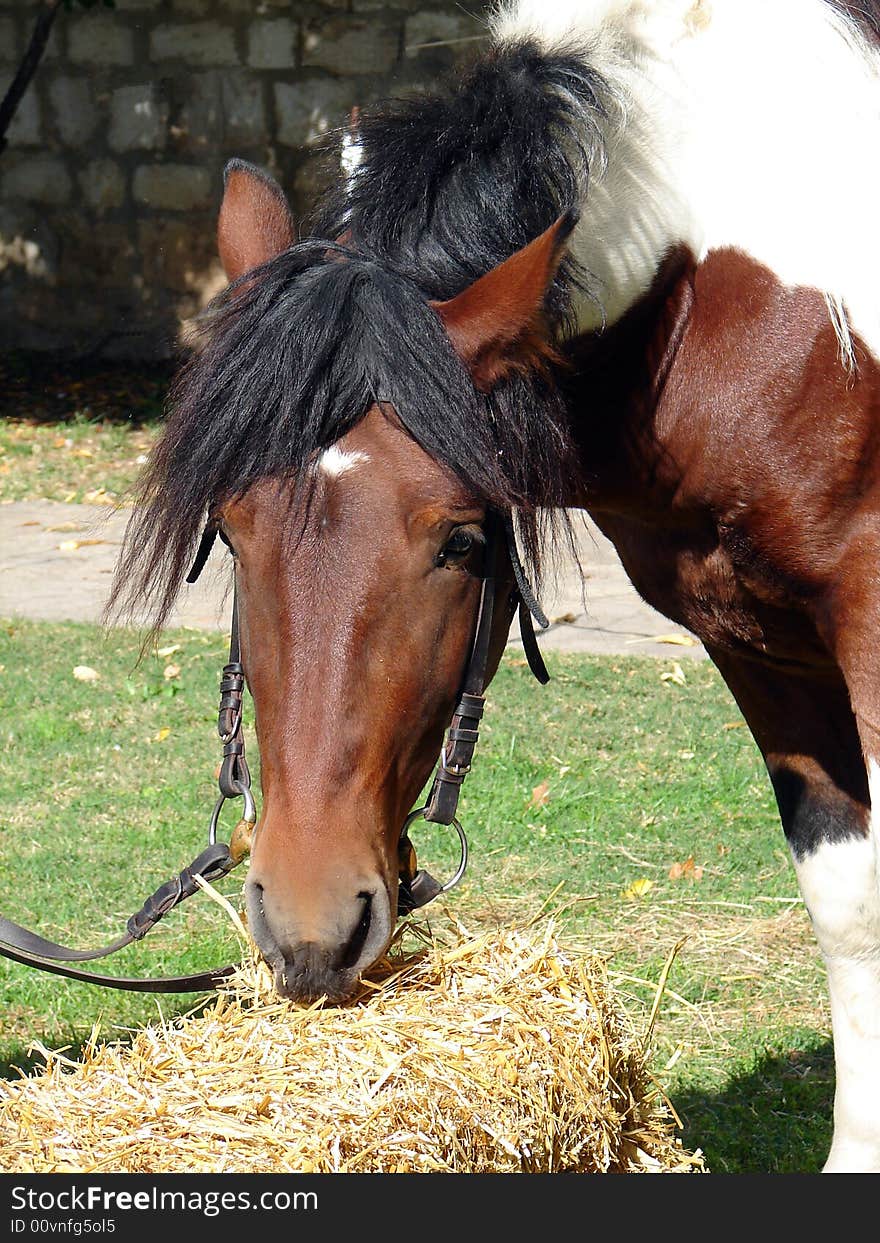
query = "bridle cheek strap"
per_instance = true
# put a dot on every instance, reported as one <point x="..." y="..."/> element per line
<point x="418" y="887"/>
<point x="463" y="733"/>
<point x="464" y="729"/>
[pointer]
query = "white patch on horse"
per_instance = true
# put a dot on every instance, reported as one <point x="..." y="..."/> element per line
<point x="840" y="884"/>
<point x="731" y="123"/>
<point x="336" y="462"/>
<point x="351" y="154"/>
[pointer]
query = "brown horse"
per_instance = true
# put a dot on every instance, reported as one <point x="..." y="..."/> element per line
<point x="625" y="265"/>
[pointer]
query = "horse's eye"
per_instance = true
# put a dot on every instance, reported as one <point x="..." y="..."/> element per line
<point x="457" y="547"/>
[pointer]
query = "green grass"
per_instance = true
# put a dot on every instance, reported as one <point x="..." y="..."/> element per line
<point x="82" y="459"/>
<point x="636" y="777"/>
<point x="76" y="430"/>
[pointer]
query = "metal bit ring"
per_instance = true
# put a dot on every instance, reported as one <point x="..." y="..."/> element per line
<point x="419" y="814"/>
<point x="249" y="813"/>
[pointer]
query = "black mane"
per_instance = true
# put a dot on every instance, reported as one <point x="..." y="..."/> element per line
<point x="448" y="187"/>
<point x="450" y="184"/>
<point x="865" y="14"/>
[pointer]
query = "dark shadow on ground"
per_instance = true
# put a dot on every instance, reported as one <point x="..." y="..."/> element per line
<point x="54" y="388"/>
<point x="774" y="1119"/>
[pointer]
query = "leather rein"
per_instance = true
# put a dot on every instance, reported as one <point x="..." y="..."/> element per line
<point x="417" y="887"/>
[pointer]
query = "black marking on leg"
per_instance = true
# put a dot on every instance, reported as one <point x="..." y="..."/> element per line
<point x="812" y="816"/>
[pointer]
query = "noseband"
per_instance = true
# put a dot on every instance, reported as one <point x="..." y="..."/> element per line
<point x="416" y="888"/>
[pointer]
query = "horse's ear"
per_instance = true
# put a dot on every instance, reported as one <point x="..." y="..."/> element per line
<point x="497" y="324"/>
<point x="255" y="223"/>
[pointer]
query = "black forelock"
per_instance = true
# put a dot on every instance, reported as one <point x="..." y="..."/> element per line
<point x="293" y="356"/>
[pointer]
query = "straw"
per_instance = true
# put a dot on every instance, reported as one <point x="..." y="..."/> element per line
<point x="501" y="1052"/>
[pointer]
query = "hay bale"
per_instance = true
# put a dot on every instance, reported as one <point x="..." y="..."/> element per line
<point x="502" y="1053"/>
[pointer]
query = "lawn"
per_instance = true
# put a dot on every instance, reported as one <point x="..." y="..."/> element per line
<point x="634" y="805"/>
<point x="76" y="432"/>
<point x="630" y="802"/>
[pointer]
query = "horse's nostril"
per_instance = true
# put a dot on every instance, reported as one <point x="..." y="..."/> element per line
<point x="318" y="950"/>
<point x="352" y="952"/>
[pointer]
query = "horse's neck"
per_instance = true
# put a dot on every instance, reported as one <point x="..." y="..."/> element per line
<point x="613" y="388"/>
<point x="691" y="409"/>
<point x="717" y="136"/>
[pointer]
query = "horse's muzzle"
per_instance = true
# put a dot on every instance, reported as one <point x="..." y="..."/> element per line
<point x="327" y="958"/>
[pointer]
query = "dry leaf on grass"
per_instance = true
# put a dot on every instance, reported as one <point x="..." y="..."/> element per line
<point x="675" y="675"/>
<point x="638" y="888"/>
<point x="540" y="795"/>
<point x="686" y="871"/>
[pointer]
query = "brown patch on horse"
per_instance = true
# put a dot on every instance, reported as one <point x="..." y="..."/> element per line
<point x="255" y="223"/>
<point x="497" y="324"/>
<point x="699" y="432"/>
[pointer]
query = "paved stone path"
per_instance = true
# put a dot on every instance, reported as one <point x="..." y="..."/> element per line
<point x="57" y="561"/>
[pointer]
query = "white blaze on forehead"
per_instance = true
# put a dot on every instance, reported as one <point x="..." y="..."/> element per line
<point x="335" y="461"/>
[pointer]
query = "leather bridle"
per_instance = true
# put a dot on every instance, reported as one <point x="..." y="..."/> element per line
<point x="417" y="887"/>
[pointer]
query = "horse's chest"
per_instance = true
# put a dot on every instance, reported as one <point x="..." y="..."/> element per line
<point x="714" y="582"/>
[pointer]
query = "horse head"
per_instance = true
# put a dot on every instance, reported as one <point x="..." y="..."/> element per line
<point x="360" y="575"/>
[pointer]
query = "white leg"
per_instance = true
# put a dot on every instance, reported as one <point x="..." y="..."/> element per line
<point x="841" y="890"/>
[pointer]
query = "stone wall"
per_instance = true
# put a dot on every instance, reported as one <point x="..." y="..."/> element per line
<point x="110" y="185"/>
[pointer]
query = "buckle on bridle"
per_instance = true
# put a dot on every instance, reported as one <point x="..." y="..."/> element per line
<point x="418" y="887"/>
<point x="457" y="770"/>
